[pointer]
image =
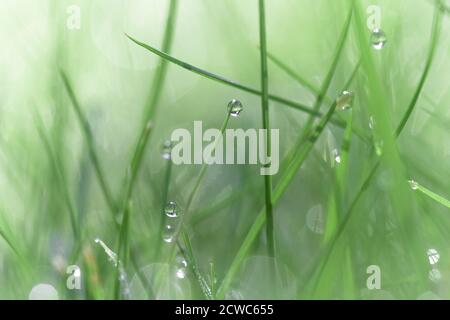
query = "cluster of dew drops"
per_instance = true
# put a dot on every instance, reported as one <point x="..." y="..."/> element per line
<point x="172" y="212"/>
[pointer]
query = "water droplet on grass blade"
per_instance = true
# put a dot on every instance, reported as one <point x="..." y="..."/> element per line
<point x="111" y="254"/>
<point x="378" y="39"/>
<point x="168" y="233"/>
<point x="171" y="210"/>
<point x="235" y="108"/>
<point x="433" y="256"/>
<point x="166" y="152"/>
<point x="413" y="184"/>
<point x="344" y="101"/>
<point x="181" y="267"/>
<point x="336" y="156"/>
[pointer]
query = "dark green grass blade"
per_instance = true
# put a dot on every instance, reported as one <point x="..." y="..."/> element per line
<point x="266" y="125"/>
<point x="222" y="80"/>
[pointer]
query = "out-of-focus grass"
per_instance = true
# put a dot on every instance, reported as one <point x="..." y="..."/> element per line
<point x="79" y="161"/>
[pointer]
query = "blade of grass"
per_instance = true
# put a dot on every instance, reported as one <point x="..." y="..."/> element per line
<point x="439" y="199"/>
<point x="222" y="80"/>
<point x="266" y="125"/>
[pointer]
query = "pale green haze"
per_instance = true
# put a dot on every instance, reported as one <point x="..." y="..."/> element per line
<point x="91" y="90"/>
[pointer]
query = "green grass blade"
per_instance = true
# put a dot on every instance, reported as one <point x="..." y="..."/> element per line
<point x="439" y="199"/>
<point x="266" y="125"/>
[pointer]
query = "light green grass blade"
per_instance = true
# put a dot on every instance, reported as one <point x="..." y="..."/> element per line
<point x="439" y="199"/>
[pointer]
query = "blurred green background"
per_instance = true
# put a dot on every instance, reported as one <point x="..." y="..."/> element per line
<point x="47" y="172"/>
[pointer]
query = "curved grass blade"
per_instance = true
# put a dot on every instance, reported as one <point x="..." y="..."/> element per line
<point x="222" y="80"/>
<point x="266" y="125"/>
<point x="416" y="186"/>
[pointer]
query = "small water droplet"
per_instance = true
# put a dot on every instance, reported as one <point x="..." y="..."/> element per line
<point x="378" y="39"/>
<point x="336" y="156"/>
<point x="344" y="101"/>
<point x="166" y="152"/>
<point x="413" y="184"/>
<point x="171" y="210"/>
<point x="168" y="233"/>
<point x="433" y="256"/>
<point x="181" y="267"/>
<point x="235" y="108"/>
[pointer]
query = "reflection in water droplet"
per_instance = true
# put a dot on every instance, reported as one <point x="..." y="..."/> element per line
<point x="345" y="101"/>
<point x="378" y="39"/>
<point x="171" y="209"/>
<point x="315" y="219"/>
<point x="166" y="152"/>
<point x="43" y="291"/>
<point x="433" y="256"/>
<point x="235" y="108"/>
<point x="413" y="184"/>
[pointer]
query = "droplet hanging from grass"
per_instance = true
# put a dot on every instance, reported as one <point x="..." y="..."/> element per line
<point x="166" y="152"/>
<point x="235" y="108"/>
<point x="181" y="267"/>
<point x="111" y="254"/>
<point x="171" y="210"/>
<point x="413" y="184"/>
<point x="336" y="156"/>
<point x="433" y="256"/>
<point x="345" y="101"/>
<point x="169" y="233"/>
<point x="378" y="39"/>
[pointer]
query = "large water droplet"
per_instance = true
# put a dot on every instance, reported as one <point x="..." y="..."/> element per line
<point x="433" y="256"/>
<point x="344" y="101"/>
<point x="336" y="156"/>
<point x="171" y="209"/>
<point x="413" y="184"/>
<point x="378" y="39"/>
<point x="166" y="152"/>
<point x="235" y="107"/>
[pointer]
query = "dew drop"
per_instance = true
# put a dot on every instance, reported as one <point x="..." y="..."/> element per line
<point x="168" y="233"/>
<point x="433" y="256"/>
<point x="111" y="254"/>
<point x="344" y="101"/>
<point x="171" y="210"/>
<point x="235" y="108"/>
<point x="166" y="152"/>
<point x="413" y="184"/>
<point x="336" y="156"/>
<point x="181" y="267"/>
<point x="378" y="39"/>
